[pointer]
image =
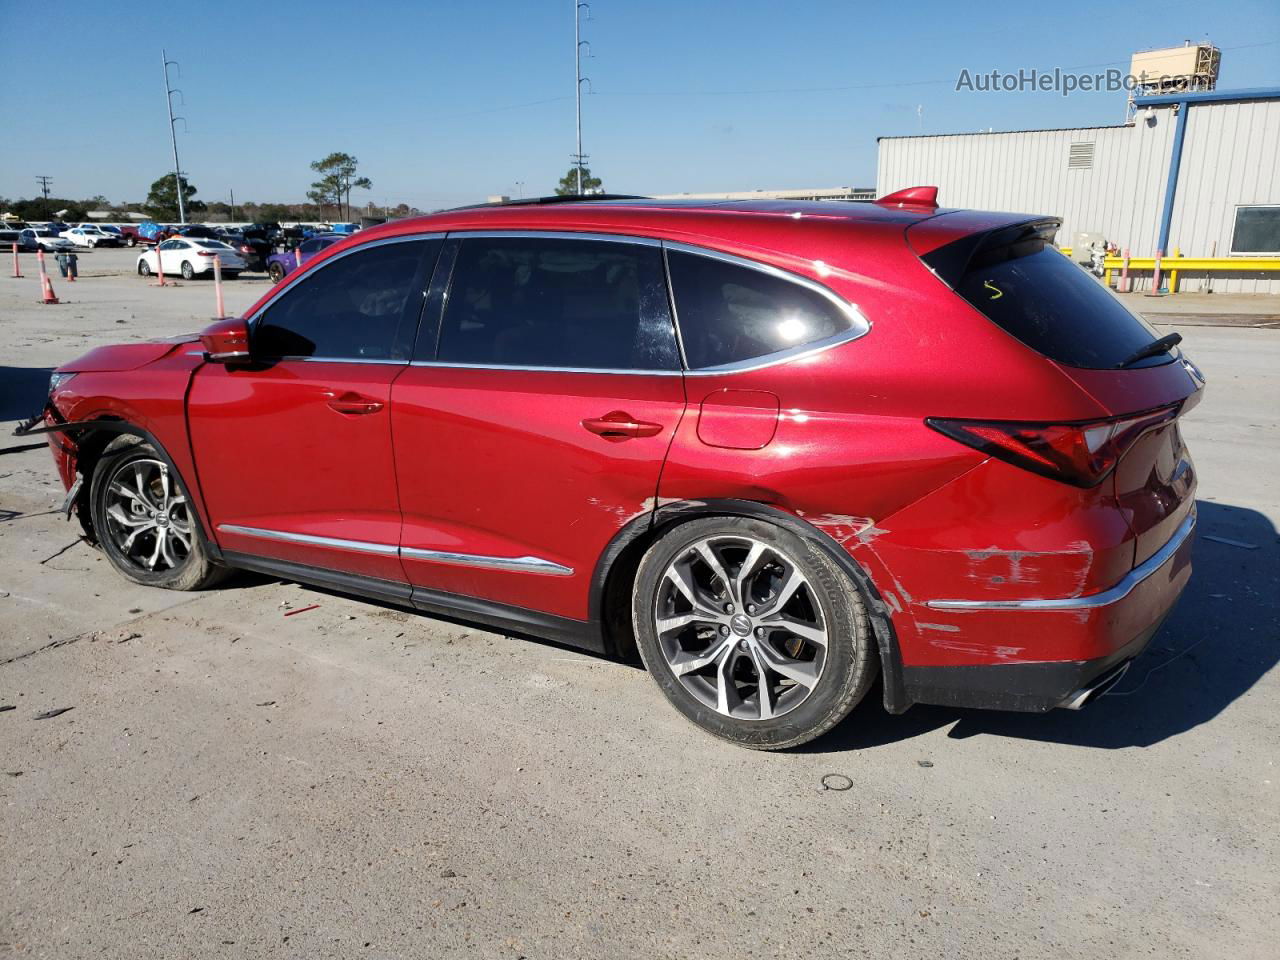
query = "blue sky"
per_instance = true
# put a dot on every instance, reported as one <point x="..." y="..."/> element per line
<point x="445" y="103"/>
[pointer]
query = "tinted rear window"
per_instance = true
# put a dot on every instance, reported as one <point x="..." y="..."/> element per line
<point x="1019" y="281"/>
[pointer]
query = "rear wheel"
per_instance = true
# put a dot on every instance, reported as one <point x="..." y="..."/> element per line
<point x="143" y="518"/>
<point x="275" y="272"/>
<point x="132" y="241"/>
<point x="188" y="271"/>
<point x="752" y="632"/>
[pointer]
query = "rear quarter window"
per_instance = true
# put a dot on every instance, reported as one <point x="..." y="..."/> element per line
<point x="730" y="313"/>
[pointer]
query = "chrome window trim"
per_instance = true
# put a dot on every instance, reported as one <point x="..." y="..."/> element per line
<point x="859" y="327"/>
<point x="292" y="280"/>
<point x="512" y="564"/>
<point x="362" y="546"/>
<point x="1090" y="601"/>
<point x="499" y="366"/>
<point x="527" y="564"/>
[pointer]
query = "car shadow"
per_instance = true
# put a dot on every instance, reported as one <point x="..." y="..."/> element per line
<point x="23" y="391"/>
<point x="1221" y="639"/>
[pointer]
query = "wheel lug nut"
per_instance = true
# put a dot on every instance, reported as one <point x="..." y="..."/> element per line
<point x="750" y="608"/>
<point x="760" y="631"/>
<point x="728" y="608"/>
<point x="743" y="645"/>
<point x="724" y="631"/>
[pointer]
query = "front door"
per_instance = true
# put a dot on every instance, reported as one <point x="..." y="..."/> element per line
<point x="535" y="419"/>
<point x="294" y="450"/>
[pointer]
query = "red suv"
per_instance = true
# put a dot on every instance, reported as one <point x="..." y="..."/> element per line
<point x="778" y="447"/>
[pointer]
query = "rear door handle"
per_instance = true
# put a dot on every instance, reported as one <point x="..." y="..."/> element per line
<point x="354" y="403"/>
<point x="618" y="425"/>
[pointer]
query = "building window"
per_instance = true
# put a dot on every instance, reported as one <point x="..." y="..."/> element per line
<point x="1081" y="156"/>
<point x="1257" y="230"/>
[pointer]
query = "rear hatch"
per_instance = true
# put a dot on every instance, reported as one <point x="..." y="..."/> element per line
<point x="1011" y="273"/>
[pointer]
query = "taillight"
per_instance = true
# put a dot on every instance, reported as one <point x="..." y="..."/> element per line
<point x="1081" y="454"/>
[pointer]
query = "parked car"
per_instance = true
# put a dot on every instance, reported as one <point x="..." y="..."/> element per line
<point x="42" y="238"/>
<point x="10" y="231"/>
<point x="195" y="231"/>
<point x="280" y="264"/>
<point x="129" y="232"/>
<point x="91" y="237"/>
<point x="114" y="231"/>
<point x="780" y="447"/>
<point x="256" y="246"/>
<point x="190" y="257"/>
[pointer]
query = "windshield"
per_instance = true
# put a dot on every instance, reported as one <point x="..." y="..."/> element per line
<point x="1018" y="280"/>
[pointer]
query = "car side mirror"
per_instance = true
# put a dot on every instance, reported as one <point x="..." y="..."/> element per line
<point x="226" y="341"/>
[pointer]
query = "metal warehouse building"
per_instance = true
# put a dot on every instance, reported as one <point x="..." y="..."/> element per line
<point x="1196" y="172"/>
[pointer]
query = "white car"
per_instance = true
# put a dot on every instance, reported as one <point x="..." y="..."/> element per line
<point x="107" y="228"/>
<point x="45" y="239"/>
<point x="91" y="237"/>
<point x="190" y="258"/>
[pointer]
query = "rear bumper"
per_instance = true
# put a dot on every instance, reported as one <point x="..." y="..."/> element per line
<point x="1108" y="628"/>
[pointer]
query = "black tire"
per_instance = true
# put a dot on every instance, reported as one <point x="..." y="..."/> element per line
<point x="144" y="268"/>
<point x="849" y="661"/>
<point x="174" y="566"/>
<point x="276" y="272"/>
<point x="132" y="242"/>
<point x="188" y="272"/>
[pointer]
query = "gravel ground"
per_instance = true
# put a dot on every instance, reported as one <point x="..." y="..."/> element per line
<point x="360" y="781"/>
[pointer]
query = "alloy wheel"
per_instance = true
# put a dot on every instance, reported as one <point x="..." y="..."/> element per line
<point x="147" y="516"/>
<point x="740" y="627"/>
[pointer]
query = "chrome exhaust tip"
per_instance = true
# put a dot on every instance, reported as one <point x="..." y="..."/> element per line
<point x="1087" y="694"/>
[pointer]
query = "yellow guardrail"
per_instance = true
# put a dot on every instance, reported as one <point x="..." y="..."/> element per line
<point x="1175" y="263"/>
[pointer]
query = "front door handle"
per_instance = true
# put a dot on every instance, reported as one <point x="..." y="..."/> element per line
<point x="618" y="425"/>
<point x="354" y="403"/>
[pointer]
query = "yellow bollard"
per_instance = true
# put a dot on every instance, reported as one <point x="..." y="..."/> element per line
<point x="1173" y="274"/>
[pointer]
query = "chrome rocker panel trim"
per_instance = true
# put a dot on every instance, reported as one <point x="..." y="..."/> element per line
<point x="510" y="564"/>
<point x="1090" y="601"/>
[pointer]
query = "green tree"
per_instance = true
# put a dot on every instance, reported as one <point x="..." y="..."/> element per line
<point x="162" y="198"/>
<point x="569" y="183"/>
<point x="337" y="180"/>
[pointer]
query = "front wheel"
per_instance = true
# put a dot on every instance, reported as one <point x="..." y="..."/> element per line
<point x="132" y="241"/>
<point x="143" y="519"/>
<point x="187" y="270"/>
<point x="144" y="268"/>
<point x="753" y="633"/>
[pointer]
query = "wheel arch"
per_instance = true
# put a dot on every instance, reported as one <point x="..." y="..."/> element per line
<point x="615" y="571"/>
<point x="94" y="438"/>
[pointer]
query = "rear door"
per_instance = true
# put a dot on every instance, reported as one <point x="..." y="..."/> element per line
<point x="534" y="420"/>
<point x="294" y="450"/>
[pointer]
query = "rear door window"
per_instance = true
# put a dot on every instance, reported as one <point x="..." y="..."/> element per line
<point x="558" y="303"/>
<point x="358" y="307"/>
<point x="1019" y="281"/>
<point x="730" y="313"/>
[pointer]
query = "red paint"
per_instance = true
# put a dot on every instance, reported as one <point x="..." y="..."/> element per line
<point x="507" y="463"/>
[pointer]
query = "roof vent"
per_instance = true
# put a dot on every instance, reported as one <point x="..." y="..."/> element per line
<point x="1081" y="156"/>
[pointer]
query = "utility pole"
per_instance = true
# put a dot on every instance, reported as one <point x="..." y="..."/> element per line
<point x="44" y="190"/>
<point x="578" y="78"/>
<point x="169" y="91"/>
<point x="233" y="205"/>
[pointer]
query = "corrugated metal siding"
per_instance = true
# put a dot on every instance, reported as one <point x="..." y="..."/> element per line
<point x="1231" y="156"/>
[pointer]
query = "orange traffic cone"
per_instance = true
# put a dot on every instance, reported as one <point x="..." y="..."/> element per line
<point x="46" y="285"/>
